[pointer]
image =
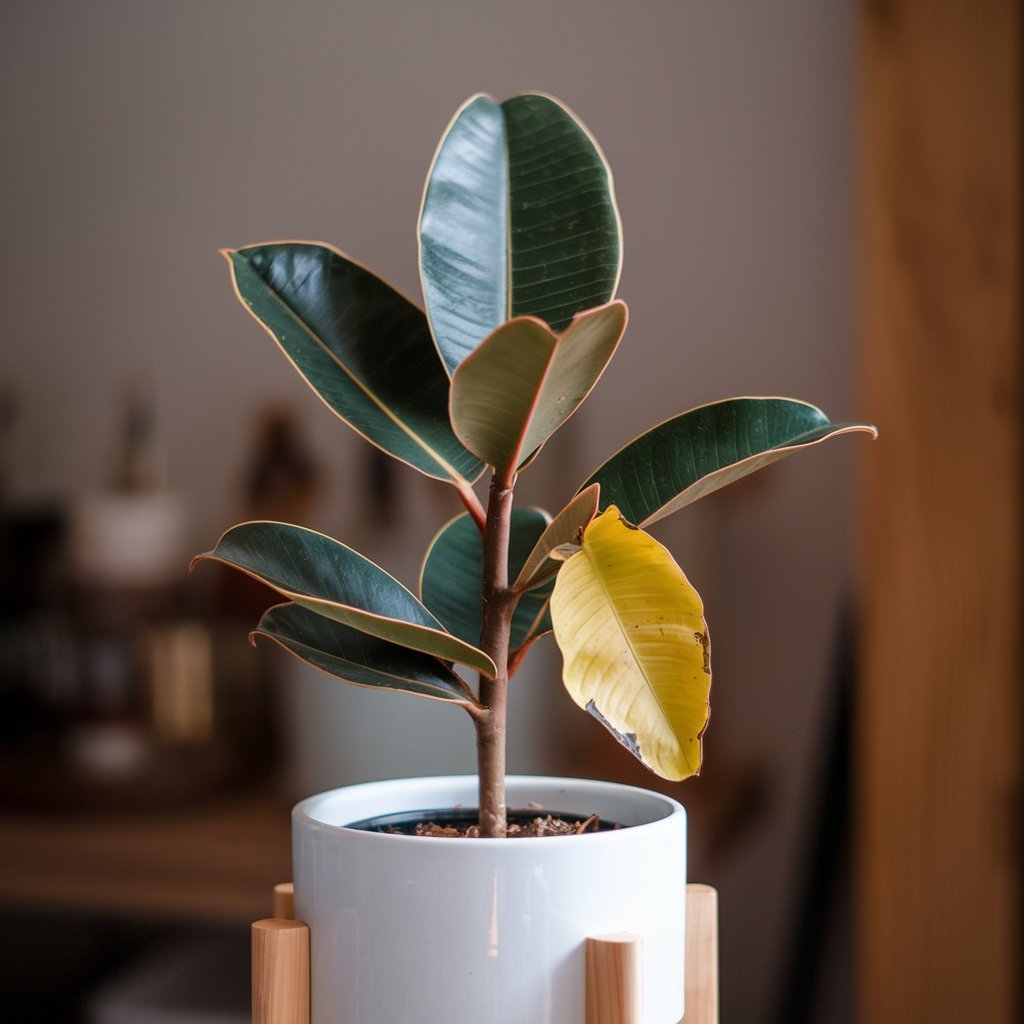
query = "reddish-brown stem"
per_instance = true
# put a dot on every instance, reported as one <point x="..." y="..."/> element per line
<point x="468" y="498"/>
<point x="498" y="605"/>
<point x="536" y="581"/>
<point x="516" y="659"/>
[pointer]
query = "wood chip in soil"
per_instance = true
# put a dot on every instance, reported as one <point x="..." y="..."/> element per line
<point x="537" y="827"/>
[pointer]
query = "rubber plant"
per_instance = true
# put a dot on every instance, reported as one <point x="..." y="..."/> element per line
<point x="520" y="251"/>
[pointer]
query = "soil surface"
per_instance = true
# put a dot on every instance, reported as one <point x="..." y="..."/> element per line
<point x="538" y="826"/>
<point x="461" y="823"/>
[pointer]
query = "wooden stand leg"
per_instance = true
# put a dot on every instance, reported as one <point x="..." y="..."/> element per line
<point x="614" y="968"/>
<point x="701" y="955"/>
<point x="280" y="972"/>
<point x="284" y="901"/>
<point x="614" y="979"/>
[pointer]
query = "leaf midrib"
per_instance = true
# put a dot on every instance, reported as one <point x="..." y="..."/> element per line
<point x="805" y="440"/>
<point x="385" y="409"/>
<point x="299" y="598"/>
<point x="290" y="645"/>
<point x="624" y="632"/>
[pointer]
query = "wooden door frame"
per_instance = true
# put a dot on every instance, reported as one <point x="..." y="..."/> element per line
<point x="939" y="720"/>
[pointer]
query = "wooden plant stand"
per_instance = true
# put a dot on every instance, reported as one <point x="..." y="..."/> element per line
<point x="280" y="966"/>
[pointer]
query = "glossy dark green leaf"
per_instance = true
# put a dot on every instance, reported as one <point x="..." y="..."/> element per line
<point x="365" y="350"/>
<point x="452" y="573"/>
<point x="332" y="580"/>
<point x="524" y="381"/>
<point x="359" y="658"/>
<point x="518" y="219"/>
<point x="699" y="451"/>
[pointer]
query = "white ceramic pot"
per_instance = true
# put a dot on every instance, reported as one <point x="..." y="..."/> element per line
<point x="413" y="930"/>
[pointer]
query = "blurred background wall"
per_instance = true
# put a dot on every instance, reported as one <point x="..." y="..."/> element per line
<point x="139" y="137"/>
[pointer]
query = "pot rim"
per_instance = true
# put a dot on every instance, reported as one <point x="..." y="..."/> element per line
<point x="662" y="810"/>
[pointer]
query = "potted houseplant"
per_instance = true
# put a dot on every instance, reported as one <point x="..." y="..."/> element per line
<point x="520" y="250"/>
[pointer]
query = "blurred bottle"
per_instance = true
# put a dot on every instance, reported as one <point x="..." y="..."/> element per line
<point x="132" y="534"/>
<point x="280" y="482"/>
<point x="135" y="467"/>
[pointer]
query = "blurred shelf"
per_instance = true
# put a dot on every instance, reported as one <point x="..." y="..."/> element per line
<point x="214" y="863"/>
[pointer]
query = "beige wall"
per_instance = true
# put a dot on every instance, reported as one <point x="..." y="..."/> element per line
<point x="138" y="137"/>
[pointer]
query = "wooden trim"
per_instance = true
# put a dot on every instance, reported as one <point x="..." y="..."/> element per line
<point x="939" y="710"/>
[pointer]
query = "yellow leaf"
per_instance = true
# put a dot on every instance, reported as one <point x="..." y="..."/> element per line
<point x="632" y="632"/>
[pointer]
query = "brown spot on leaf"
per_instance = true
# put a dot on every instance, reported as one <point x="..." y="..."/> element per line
<point x="702" y="639"/>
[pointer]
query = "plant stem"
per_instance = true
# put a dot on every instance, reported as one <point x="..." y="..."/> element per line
<point x="498" y="604"/>
<point x="468" y="498"/>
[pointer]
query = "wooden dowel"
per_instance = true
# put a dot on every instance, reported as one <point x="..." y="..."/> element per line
<point x="614" y="979"/>
<point x="701" y="955"/>
<point x="280" y="972"/>
<point x="284" y="901"/>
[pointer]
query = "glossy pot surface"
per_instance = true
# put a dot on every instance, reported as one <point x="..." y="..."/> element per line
<point x="414" y="930"/>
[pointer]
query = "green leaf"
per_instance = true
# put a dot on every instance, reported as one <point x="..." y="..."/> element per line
<point x="518" y="219"/>
<point x="332" y="580"/>
<point x="699" y="451"/>
<point x="523" y="382"/>
<point x="362" y="347"/>
<point x="566" y="528"/>
<point x="452" y="574"/>
<point x="632" y="633"/>
<point x="359" y="658"/>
